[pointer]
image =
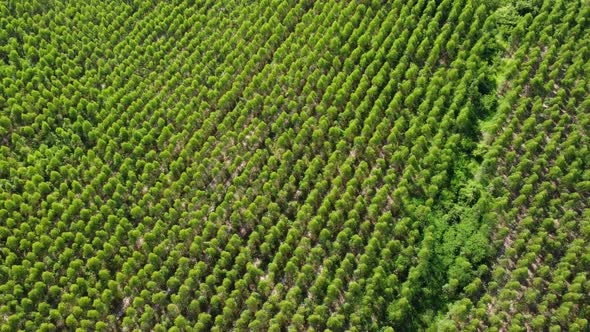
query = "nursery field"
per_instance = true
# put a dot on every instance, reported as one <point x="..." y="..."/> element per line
<point x="282" y="165"/>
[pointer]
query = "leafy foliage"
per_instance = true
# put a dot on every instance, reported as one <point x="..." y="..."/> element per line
<point x="279" y="165"/>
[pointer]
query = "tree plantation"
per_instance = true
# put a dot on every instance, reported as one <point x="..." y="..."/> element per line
<point x="281" y="165"/>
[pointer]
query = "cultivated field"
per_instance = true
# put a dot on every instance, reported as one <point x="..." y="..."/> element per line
<point x="283" y="165"/>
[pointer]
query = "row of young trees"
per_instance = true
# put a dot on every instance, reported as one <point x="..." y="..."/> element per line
<point x="264" y="166"/>
<point x="536" y="163"/>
